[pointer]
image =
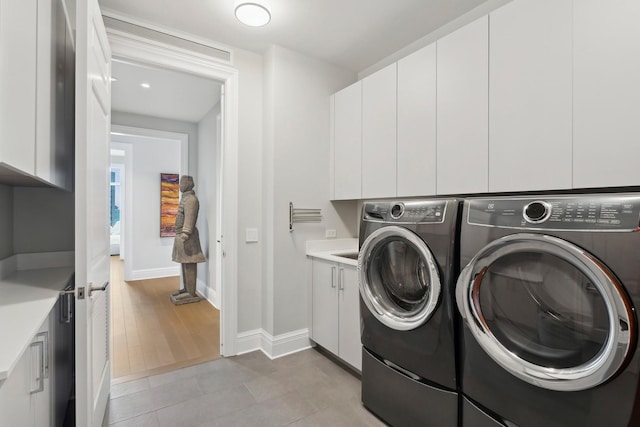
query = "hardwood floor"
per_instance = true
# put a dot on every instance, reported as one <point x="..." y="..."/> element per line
<point x="150" y="335"/>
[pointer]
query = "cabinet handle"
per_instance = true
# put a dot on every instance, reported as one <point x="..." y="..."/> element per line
<point x="333" y="277"/>
<point x="341" y="279"/>
<point x="39" y="377"/>
<point x="65" y="307"/>
<point x="45" y="352"/>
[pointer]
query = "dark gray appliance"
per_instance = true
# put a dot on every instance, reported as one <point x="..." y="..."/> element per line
<point x="548" y="295"/>
<point x="407" y="276"/>
<point x="63" y="346"/>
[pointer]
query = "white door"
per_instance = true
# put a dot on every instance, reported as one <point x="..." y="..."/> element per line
<point x="93" y="106"/>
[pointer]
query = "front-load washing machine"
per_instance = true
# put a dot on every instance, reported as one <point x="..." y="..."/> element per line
<point x="548" y="292"/>
<point x="407" y="271"/>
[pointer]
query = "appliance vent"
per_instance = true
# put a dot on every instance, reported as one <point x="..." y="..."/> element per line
<point x="158" y="36"/>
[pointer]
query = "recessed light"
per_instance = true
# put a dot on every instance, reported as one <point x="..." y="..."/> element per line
<point x="114" y="79"/>
<point x="145" y="85"/>
<point x="253" y="14"/>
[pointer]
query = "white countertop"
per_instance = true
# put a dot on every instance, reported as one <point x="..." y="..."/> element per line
<point x="26" y="298"/>
<point x="330" y="250"/>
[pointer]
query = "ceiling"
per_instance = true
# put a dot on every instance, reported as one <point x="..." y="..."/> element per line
<point x="353" y="34"/>
<point x="171" y="95"/>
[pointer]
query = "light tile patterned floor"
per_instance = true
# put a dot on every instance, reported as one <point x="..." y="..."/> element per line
<point x="302" y="389"/>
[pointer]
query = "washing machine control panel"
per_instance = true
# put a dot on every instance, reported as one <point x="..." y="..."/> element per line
<point x="600" y="212"/>
<point x="407" y="212"/>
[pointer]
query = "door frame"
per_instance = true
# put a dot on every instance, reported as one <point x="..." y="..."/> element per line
<point x="125" y="137"/>
<point x="129" y="47"/>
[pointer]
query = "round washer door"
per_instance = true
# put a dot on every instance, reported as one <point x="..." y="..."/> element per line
<point x="547" y="311"/>
<point x="399" y="280"/>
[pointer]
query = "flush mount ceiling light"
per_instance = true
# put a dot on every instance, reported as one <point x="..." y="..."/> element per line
<point x="253" y="14"/>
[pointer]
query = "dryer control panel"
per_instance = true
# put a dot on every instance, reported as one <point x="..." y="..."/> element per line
<point x="597" y="212"/>
<point x="405" y="212"/>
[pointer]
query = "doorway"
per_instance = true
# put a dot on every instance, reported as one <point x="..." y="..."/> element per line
<point x="157" y="132"/>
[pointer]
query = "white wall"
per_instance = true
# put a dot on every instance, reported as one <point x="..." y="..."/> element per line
<point x="296" y="162"/>
<point x="149" y="255"/>
<point x="6" y="221"/>
<point x="206" y="185"/>
<point x="165" y="125"/>
<point x="250" y="207"/>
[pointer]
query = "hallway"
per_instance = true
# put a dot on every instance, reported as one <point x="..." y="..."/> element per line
<point x="149" y="335"/>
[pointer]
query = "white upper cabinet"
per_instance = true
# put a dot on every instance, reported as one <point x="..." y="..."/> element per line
<point x="18" y="39"/>
<point x="530" y="96"/>
<point x="347" y="143"/>
<point x="606" y="73"/>
<point x="379" y="134"/>
<point x="36" y="90"/>
<point x="416" y="149"/>
<point x="462" y="123"/>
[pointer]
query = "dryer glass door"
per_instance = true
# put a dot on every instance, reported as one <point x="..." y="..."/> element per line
<point x="547" y="311"/>
<point x="399" y="280"/>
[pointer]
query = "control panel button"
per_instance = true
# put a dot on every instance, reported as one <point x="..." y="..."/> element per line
<point x="397" y="210"/>
<point x="536" y="212"/>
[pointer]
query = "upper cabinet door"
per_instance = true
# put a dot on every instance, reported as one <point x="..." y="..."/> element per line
<point x="606" y="93"/>
<point x="347" y="140"/>
<point x="530" y="96"/>
<point x="417" y="123"/>
<point x="379" y="133"/>
<point x="463" y="109"/>
<point x="18" y="39"/>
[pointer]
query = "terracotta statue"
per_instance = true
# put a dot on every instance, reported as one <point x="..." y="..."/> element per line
<point x="186" y="246"/>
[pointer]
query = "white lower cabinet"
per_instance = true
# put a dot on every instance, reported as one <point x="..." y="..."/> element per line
<point x="25" y="396"/>
<point x="335" y="308"/>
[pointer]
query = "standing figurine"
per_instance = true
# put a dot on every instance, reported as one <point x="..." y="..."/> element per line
<point x="186" y="246"/>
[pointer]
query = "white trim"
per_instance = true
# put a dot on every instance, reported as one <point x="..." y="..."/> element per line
<point x="123" y="137"/>
<point x="126" y="228"/>
<point x="273" y="347"/>
<point x="168" y="31"/>
<point x="207" y="292"/>
<point x="128" y="134"/>
<point x="249" y="341"/>
<point x="154" y="273"/>
<point x="282" y="345"/>
<point x="38" y="260"/>
<point x="132" y="48"/>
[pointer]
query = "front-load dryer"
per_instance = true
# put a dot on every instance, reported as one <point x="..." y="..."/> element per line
<point x="548" y="293"/>
<point x="407" y="271"/>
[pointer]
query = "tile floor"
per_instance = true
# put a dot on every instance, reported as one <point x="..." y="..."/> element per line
<point x="302" y="389"/>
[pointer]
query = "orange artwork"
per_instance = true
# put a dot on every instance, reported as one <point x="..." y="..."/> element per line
<point x="169" y="200"/>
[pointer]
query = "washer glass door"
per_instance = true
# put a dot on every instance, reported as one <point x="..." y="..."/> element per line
<point x="547" y="311"/>
<point x="399" y="280"/>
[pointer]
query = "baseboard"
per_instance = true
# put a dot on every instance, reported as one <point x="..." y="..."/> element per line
<point x="249" y="341"/>
<point x="8" y="266"/>
<point x="206" y="292"/>
<point x="154" y="273"/>
<point x="212" y="298"/>
<point x="39" y="260"/>
<point x="273" y="347"/>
